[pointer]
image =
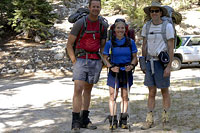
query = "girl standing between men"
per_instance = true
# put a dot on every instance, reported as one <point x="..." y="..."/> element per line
<point x="123" y="59"/>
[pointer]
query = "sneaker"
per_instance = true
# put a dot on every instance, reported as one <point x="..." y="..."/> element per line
<point x="165" y="121"/>
<point x="149" y="121"/>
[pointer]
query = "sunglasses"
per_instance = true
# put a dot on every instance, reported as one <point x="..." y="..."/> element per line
<point x="156" y="11"/>
<point x="120" y="20"/>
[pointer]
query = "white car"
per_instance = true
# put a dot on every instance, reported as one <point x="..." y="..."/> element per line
<point x="188" y="52"/>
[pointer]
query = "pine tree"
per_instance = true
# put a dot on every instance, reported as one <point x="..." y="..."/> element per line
<point x="6" y="9"/>
<point x="33" y="17"/>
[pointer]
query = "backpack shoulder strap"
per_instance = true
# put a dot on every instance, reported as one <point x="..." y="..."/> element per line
<point x="127" y="44"/>
<point x="148" y="24"/>
<point x="103" y="24"/>
<point x="80" y="35"/>
<point x="163" y="32"/>
<point x="130" y="46"/>
<point x="84" y="27"/>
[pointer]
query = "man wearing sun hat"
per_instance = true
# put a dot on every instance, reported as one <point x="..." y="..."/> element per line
<point x="157" y="76"/>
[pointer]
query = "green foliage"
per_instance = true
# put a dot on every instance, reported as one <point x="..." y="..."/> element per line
<point x="133" y="8"/>
<point x="32" y="16"/>
<point x="6" y="9"/>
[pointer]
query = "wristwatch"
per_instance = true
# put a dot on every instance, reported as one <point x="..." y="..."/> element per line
<point x="133" y="66"/>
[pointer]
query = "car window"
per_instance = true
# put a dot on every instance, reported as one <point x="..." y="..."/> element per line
<point x="184" y="40"/>
<point x="195" y="41"/>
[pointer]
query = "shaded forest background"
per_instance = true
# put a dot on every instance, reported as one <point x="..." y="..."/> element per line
<point x="34" y="17"/>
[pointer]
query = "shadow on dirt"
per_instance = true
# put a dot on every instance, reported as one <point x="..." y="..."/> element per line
<point x="56" y="116"/>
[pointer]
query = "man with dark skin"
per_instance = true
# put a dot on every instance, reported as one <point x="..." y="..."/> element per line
<point x="87" y="68"/>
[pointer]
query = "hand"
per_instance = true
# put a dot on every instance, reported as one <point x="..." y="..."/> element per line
<point x="74" y="62"/>
<point x="167" y="72"/>
<point x="115" y="69"/>
<point x="129" y="67"/>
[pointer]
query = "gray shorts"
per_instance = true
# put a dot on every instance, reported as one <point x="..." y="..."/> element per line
<point x="87" y="71"/>
<point x="157" y="78"/>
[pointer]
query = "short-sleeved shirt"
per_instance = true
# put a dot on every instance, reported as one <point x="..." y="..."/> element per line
<point x="78" y="24"/>
<point x="156" y="44"/>
<point x="90" y="41"/>
<point x="120" y="55"/>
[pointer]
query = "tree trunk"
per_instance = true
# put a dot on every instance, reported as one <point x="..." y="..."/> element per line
<point x="135" y="3"/>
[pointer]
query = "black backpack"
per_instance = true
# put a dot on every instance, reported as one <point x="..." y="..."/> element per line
<point x="81" y="12"/>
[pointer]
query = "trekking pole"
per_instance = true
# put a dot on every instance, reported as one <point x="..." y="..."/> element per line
<point x="128" y="89"/>
<point x="114" y="99"/>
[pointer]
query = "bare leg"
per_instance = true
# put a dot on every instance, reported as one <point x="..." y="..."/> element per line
<point x="151" y="98"/>
<point x="111" y="101"/>
<point x="86" y="97"/>
<point x="166" y="98"/>
<point x="77" y="98"/>
<point x="124" y="102"/>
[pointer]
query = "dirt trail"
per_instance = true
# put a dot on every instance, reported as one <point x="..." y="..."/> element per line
<point x="43" y="104"/>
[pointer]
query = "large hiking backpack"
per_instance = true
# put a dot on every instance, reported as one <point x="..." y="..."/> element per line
<point x="172" y="17"/>
<point x="82" y="13"/>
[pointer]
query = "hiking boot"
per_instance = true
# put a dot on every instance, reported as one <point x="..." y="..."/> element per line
<point x="75" y="123"/>
<point x="115" y="122"/>
<point x="149" y="121"/>
<point x="165" y="121"/>
<point x="123" y="120"/>
<point x="85" y="121"/>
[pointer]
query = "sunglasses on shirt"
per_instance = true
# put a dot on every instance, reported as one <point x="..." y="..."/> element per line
<point x="156" y="11"/>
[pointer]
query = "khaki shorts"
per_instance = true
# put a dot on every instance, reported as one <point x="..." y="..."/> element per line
<point x="87" y="71"/>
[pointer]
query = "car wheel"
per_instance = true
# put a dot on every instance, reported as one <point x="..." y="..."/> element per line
<point x="176" y="64"/>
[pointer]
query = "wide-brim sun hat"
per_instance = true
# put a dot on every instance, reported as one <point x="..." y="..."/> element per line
<point x="156" y="4"/>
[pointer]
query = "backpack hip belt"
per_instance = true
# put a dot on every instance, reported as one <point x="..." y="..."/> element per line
<point x="152" y="59"/>
<point x="85" y="53"/>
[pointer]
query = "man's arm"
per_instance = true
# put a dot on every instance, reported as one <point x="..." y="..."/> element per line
<point x="107" y="61"/>
<point x="171" y="51"/>
<point x="69" y="47"/>
<point x="103" y="42"/>
<point x="167" y="70"/>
